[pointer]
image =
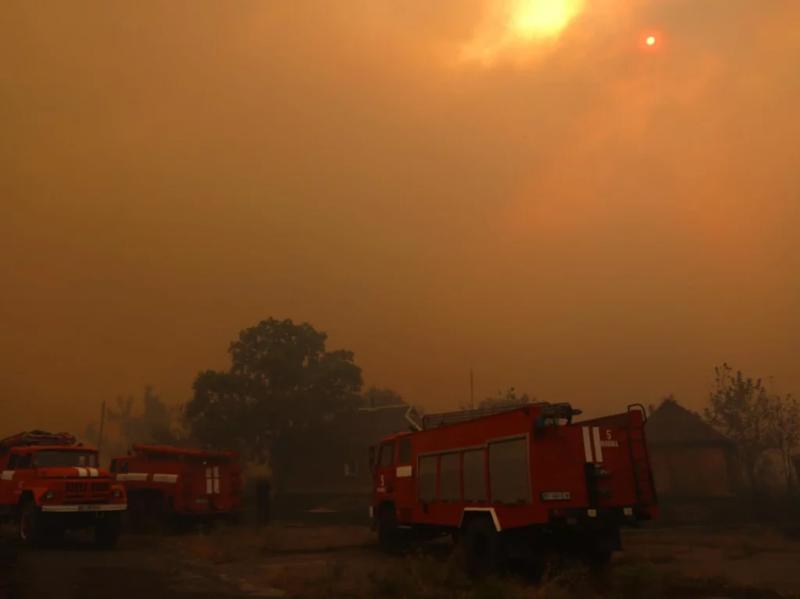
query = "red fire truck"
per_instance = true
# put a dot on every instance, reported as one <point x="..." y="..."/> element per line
<point x="174" y="482"/>
<point x="525" y="480"/>
<point x="50" y="483"/>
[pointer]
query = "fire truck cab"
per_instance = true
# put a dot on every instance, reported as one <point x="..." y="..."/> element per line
<point x="175" y="482"/>
<point x="49" y="483"/>
<point x="515" y="480"/>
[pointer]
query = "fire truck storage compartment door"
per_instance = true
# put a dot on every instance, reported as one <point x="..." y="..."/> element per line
<point x="475" y="475"/>
<point x="450" y="477"/>
<point x="508" y="471"/>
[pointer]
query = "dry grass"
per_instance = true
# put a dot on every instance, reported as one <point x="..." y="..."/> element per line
<point x="298" y="539"/>
<point x="756" y="538"/>
<point x="229" y="544"/>
<point x="342" y="562"/>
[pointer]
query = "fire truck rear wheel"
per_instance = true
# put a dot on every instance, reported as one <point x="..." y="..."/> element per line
<point x="30" y="525"/>
<point x="106" y="531"/>
<point x="481" y="547"/>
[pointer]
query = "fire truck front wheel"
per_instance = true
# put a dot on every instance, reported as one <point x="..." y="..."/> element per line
<point x="388" y="534"/>
<point x="30" y="526"/>
<point x="106" y="531"/>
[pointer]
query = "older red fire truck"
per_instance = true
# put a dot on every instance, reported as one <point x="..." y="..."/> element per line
<point x="50" y="483"/>
<point x="522" y="480"/>
<point x="174" y="482"/>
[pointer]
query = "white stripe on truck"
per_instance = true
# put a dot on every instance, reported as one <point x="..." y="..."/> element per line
<point x="91" y="507"/>
<point x="137" y="476"/>
<point x="587" y="444"/>
<point x="598" y="449"/>
<point x="165" y="478"/>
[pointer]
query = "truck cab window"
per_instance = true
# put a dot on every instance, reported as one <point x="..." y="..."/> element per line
<point x="12" y="461"/>
<point x="427" y="478"/>
<point x="404" y="451"/>
<point x="387" y="455"/>
<point x="53" y="458"/>
<point x="23" y="461"/>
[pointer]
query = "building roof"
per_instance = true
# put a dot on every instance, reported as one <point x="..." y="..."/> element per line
<point x="672" y="423"/>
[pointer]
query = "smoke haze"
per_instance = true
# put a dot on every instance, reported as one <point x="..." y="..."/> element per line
<point x="575" y="217"/>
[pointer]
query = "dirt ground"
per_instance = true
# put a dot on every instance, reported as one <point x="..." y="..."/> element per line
<point x="301" y="561"/>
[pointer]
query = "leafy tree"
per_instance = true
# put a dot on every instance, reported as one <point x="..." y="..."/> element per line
<point x="91" y="433"/>
<point x="739" y="407"/>
<point x="759" y="422"/>
<point x="282" y="382"/>
<point x="376" y="397"/>
<point x="506" y="399"/>
<point x="784" y="424"/>
<point x="152" y="425"/>
<point x="123" y="416"/>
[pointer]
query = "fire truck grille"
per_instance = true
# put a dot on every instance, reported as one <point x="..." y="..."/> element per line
<point x="76" y="488"/>
<point x="86" y="492"/>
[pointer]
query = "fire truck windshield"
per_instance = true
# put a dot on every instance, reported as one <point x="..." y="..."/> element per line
<point x="64" y="459"/>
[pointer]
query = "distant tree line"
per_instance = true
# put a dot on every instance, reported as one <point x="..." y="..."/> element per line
<point x="283" y="383"/>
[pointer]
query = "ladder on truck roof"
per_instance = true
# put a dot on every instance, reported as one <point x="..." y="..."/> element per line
<point x="37" y="438"/>
<point x="547" y="410"/>
<point x="640" y="459"/>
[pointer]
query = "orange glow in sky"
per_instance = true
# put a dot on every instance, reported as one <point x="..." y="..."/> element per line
<point x="512" y="27"/>
<point x="542" y="18"/>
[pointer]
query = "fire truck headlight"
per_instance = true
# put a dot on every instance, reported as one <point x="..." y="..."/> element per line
<point x="49" y="495"/>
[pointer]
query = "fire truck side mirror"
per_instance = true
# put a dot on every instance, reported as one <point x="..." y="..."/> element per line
<point x="371" y="457"/>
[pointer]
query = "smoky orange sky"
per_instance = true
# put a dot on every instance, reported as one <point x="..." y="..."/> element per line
<point x="573" y="214"/>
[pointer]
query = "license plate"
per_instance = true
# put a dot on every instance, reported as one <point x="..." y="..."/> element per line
<point x="88" y="508"/>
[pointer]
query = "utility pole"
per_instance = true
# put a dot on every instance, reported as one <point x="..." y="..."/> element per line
<point x="102" y="426"/>
<point x="471" y="389"/>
